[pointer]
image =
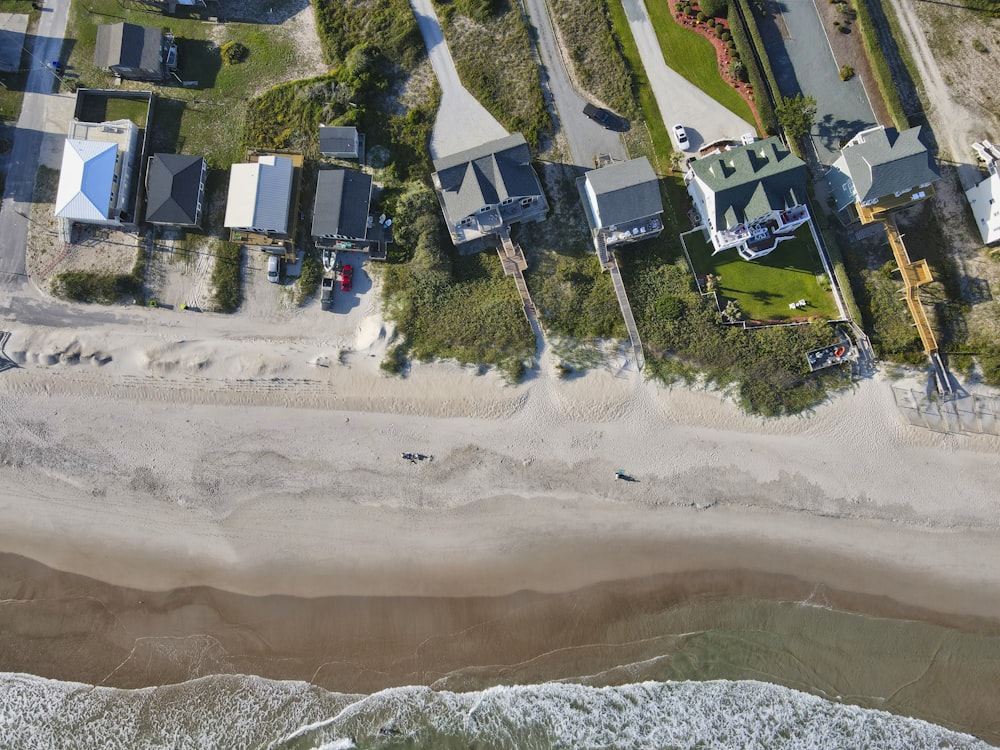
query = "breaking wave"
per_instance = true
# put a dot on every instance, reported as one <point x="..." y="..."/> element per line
<point x="236" y="711"/>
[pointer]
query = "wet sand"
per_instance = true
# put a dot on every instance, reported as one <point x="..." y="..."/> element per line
<point x="732" y="624"/>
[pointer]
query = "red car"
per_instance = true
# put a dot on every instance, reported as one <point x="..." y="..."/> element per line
<point x="346" y="276"/>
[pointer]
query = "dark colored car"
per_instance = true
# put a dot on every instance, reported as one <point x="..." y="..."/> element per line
<point x="600" y="116"/>
<point x="346" y="277"/>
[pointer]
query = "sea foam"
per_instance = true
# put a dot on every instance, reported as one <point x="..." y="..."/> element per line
<point x="236" y="711"/>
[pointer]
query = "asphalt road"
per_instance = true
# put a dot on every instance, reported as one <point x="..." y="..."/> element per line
<point x="803" y="63"/>
<point x="585" y="137"/>
<point x="462" y="122"/>
<point x="27" y="145"/>
<point x="679" y="100"/>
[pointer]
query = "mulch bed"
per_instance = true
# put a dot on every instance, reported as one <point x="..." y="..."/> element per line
<point x="722" y="54"/>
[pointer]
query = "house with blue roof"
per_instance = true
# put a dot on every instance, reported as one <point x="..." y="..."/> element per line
<point x="96" y="174"/>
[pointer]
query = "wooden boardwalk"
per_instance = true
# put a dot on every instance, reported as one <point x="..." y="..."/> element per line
<point x="513" y="262"/>
<point x="610" y="263"/>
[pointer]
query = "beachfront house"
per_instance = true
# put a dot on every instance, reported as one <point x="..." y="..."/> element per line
<point x="881" y="169"/>
<point x="259" y="199"/>
<point x="622" y="203"/>
<point x="138" y="53"/>
<point x="339" y="142"/>
<point x="175" y="190"/>
<point x="341" y="217"/>
<point x="984" y="197"/>
<point x="483" y="190"/>
<point x="96" y="173"/>
<point x="750" y="197"/>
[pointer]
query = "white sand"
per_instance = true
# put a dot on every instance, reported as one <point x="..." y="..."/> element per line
<point x="264" y="456"/>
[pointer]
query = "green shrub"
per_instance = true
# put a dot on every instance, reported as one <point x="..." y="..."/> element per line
<point x="234" y="53"/>
<point x="701" y="17"/>
<point x="880" y="66"/>
<point x="89" y="286"/>
<point x="312" y="274"/>
<point x="759" y="78"/>
<point x="726" y="35"/>
<point x="715" y="8"/>
<point x="738" y="70"/>
<point x="846" y="72"/>
<point x="978" y="46"/>
<point x="226" y="276"/>
<point x="711" y="22"/>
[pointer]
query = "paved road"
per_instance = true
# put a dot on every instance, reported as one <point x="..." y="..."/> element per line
<point x="28" y="142"/>
<point x="679" y="100"/>
<point x="803" y="63"/>
<point x="586" y="139"/>
<point x="462" y="122"/>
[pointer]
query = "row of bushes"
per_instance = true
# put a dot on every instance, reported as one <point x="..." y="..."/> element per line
<point x="747" y="40"/>
<point x="105" y="288"/>
<point x="987" y="6"/>
<point x="880" y="66"/>
<point x="595" y="53"/>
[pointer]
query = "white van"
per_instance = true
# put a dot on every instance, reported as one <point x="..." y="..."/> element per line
<point x="273" y="268"/>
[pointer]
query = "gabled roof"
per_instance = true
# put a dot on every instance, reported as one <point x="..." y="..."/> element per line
<point x="259" y="194"/>
<point x="128" y="45"/>
<point x="173" y="184"/>
<point x="86" y="180"/>
<point x="341" y="206"/>
<point x="486" y="175"/>
<point x="624" y="191"/>
<point x="338" y="140"/>
<point x="882" y="161"/>
<point x="985" y="201"/>
<point x="751" y="180"/>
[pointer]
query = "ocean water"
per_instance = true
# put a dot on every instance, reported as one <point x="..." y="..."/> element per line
<point x="237" y="711"/>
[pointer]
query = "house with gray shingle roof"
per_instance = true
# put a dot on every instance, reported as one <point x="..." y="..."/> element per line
<point x="340" y="211"/>
<point x="339" y="142"/>
<point x="880" y="169"/>
<point x="138" y="53"/>
<point x="751" y="197"/>
<point x="483" y="190"/>
<point x="622" y="202"/>
<point x="175" y="190"/>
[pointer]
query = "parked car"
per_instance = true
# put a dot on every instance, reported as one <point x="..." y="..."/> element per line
<point x="326" y="294"/>
<point x="681" y="135"/>
<point x="273" y="269"/>
<point x="346" y="277"/>
<point x="600" y="116"/>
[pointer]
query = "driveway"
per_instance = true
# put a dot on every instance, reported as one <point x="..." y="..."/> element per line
<point x="585" y="138"/>
<point x="30" y="138"/>
<point x="462" y="122"/>
<point x="679" y="100"/>
<point x="803" y="63"/>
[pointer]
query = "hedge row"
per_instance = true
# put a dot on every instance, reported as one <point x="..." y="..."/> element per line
<point x="105" y="288"/>
<point x="745" y="47"/>
<point x="880" y="66"/>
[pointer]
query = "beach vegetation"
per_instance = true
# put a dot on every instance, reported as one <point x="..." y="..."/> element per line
<point x="226" y="279"/>
<point x="876" y="53"/>
<point x="491" y="46"/>
<point x="101" y="287"/>
<point x="595" y="52"/>
<point x="309" y="280"/>
<point x="796" y="115"/>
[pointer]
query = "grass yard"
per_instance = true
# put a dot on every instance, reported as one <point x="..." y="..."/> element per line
<point x="205" y="119"/>
<point x="693" y="56"/>
<point x="764" y="288"/>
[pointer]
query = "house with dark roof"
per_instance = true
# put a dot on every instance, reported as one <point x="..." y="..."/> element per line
<point x="751" y="197"/>
<point x="175" y="189"/>
<point x="138" y="53"/>
<point x="881" y="169"/>
<point x="622" y="202"/>
<point x="483" y="190"/>
<point x="339" y="142"/>
<point x="341" y="216"/>
<point x="96" y="174"/>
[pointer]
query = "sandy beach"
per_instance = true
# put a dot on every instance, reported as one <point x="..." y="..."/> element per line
<point x="223" y="499"/>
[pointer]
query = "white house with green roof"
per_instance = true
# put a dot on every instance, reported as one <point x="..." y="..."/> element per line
<point x="881" y="169"/>
<point x="751" y="197"/>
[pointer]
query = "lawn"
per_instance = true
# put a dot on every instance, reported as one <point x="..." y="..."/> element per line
<point x="205" y="118"/>
<point x="764" y="288"/>
<point x="693" y="56"/>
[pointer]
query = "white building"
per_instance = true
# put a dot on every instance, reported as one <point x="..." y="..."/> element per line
<point x="96" y="174"/>
<point x="984" y="198"/>
<point x="260" y="195"/>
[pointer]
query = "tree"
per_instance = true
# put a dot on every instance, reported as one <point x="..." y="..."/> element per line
<point x="715" y="8"/>
<point x="796" y="115"/>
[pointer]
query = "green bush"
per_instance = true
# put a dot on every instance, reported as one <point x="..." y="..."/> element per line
<point x="738" y="70"/>
<point x="846" y="72"/>
<point x="701" y="17"/>
<point x="715" y="8"/>
<point x="89" y="286"/>
<point x="978" y="46"/>
<point x="312" y="274"/>
<point x="759" y="79"/>
<point x="389" y="25"/>
<point x="234" y="53"/>
<point x="226" y="276"/>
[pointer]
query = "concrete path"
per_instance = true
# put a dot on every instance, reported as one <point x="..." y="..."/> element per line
<point x="803" y="63"/>
<point x="585" y="138"/>
<point x="679" y="100"/>
<point x="462" y="122"/>
<point x="38" y="130"/>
